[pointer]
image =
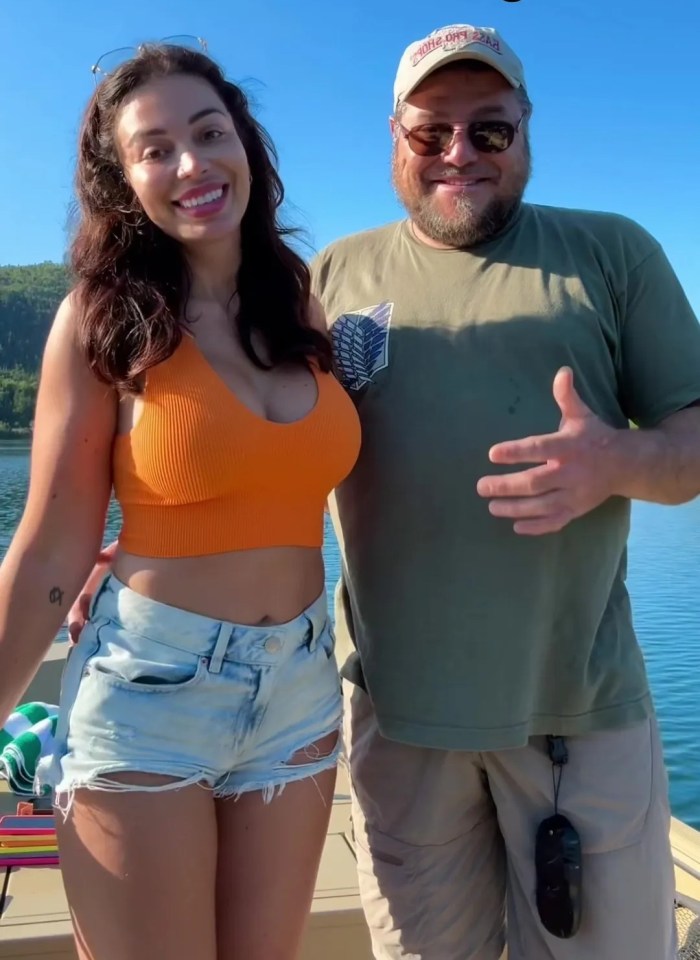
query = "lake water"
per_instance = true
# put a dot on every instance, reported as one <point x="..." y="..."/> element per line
<point x="663" y="580"/>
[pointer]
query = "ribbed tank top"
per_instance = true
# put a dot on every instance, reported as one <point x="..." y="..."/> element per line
<point x="201" y="473"/>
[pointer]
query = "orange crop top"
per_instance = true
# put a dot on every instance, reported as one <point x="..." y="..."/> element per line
<point x="200" y="473"/>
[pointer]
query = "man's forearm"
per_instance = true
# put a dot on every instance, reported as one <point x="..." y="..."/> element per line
<point x="660" y="465"/>
<point x="104" y="561"/>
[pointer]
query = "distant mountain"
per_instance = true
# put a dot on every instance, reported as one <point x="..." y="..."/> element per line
<point x="29" y="297"/>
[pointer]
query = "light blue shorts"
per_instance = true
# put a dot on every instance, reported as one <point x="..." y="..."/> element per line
<point x="153" y="689"/>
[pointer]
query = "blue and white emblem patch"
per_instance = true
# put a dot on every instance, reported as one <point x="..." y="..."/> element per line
<point x="361" y="344"/>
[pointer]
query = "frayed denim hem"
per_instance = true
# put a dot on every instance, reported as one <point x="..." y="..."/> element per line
<point x="99" y="780"/>
<point x="273" y="786"/>
<point x="49" y="774"/>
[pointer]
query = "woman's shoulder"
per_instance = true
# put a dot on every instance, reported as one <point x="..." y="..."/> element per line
<point x="64" y="329"/>
<point x="64" y="359"/>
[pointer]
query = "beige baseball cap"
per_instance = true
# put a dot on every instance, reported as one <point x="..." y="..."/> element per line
<point x="461" y="41"/>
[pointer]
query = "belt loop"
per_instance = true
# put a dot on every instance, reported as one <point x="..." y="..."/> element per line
<point x="217" y="658"/>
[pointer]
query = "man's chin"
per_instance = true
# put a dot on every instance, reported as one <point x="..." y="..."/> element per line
<point x="449" y="226"/>
<point x="467" y="217"/>
<point x="461" y="222"/>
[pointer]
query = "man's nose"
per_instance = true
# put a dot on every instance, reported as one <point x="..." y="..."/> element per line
<point x="460" y="150"/>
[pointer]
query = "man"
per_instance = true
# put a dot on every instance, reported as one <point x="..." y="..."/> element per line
<point x="497" y="352"/>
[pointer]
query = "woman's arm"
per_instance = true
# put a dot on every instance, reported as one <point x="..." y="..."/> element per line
<point x="61" y="528"/>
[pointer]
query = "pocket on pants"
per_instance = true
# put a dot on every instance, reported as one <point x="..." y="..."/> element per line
<point x="610" y="783"/>
<point x="134" y="664"/>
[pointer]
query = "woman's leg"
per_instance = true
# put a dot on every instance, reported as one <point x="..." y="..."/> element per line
<point x="140" y="871"/>
<point x="268" y="860"/>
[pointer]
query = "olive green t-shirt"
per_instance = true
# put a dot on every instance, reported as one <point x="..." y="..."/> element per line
<point x="467" y="635"/>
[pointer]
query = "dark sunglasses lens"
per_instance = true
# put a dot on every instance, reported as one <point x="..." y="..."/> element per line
<point x="491" y="136"/>
<point x="558" y="874"/>
<point x="486" y="136"/>
<point x="431" y="139"/>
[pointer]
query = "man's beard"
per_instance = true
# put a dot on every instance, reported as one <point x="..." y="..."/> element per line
<point x="465" y="227"/>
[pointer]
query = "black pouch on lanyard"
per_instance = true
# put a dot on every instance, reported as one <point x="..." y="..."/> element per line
<point x="558" y="859"/>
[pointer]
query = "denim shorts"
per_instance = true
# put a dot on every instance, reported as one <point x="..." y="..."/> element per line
<point x="150" y="688"/>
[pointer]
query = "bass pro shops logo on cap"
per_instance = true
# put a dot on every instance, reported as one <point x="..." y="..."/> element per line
<point x="461" y="41"/>
<point x="450" y="39"/>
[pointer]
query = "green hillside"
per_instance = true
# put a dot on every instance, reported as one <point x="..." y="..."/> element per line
<point x="29" y="297"/>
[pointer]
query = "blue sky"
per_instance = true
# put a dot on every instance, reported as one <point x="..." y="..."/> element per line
<point x="616" y="125"/>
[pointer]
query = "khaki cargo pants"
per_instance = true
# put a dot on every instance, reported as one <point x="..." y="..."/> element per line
<point x="445" y="845"/>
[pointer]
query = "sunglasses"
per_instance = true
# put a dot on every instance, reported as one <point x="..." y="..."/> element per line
<point x="109" y="61"/>
<point x="486" y="136"/>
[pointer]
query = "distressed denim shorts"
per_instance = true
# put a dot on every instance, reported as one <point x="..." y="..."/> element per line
<point x="150" y="688"/>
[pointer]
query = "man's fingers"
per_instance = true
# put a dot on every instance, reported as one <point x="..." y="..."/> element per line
<point x="84" y="605"/>
<point x="569" y="402"/>
<point x="527" y="507"/>
<point x="75" y="628"/>
<point x="548" y="446"/>
<point x="542" y="525"/>
<point x="78" y="616"/>
<point x="524" y="483"/>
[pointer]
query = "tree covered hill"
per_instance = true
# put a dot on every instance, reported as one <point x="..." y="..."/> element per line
<point x="29" y="297"/>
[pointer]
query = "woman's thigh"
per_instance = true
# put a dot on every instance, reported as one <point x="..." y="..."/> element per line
<point x="140" y="870"/>
<point x="269" y="854"/>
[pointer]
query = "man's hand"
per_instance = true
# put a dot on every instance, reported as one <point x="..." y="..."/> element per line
<point x="77" y="616"/>
<point x="576" y="468"/>
<point x="79" y="612"/>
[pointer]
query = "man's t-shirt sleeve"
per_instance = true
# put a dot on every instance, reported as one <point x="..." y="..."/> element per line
<point x="318" y="268"/>
<point x="660" y="356"/>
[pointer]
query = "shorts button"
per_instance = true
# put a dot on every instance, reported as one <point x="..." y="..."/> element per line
<point x="273" y="645"/>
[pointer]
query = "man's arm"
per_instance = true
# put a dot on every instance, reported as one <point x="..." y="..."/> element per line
<point x="663" y="464"/>
<point x="586" y="460"/>
<point x="79" y="612"/>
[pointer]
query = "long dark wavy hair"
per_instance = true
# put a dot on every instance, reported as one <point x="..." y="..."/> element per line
<point x="132" y="279"/>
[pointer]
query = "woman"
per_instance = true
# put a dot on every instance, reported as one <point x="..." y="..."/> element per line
<point x="200" y="709"/>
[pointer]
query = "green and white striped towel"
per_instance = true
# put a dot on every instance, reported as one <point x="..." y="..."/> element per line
<point x="28" y="735"/>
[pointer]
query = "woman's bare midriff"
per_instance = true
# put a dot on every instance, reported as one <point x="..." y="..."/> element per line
<point x="265" y="586"/>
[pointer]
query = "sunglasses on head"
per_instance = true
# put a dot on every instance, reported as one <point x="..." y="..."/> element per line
<point x="486" y="136"/>
<point x="109" y="61"/>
